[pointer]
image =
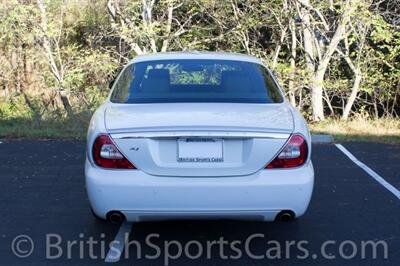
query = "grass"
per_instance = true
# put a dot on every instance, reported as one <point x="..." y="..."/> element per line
<point x="62" y="128"/>
<point x="382" y="130"/>
<point x="17" y="120"/>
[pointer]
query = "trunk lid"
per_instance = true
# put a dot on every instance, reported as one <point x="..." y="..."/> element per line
<point x="155" y="137"/>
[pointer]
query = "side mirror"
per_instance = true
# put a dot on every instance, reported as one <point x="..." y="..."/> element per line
<point x="111" y="84"/>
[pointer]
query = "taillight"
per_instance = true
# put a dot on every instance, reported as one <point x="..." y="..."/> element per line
<point x="106" y="154"/>
<point x="293" y="155"/>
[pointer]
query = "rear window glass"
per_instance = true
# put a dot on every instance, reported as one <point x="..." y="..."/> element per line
<point x="167" y="81"/>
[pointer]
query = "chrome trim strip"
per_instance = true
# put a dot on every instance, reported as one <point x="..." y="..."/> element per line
<point x="224" y="134"/>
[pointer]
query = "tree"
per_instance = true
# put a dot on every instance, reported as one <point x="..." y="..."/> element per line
<point x="148" y="26"/>
<point x="51" y="47"/>
<point x="312" y="43"/>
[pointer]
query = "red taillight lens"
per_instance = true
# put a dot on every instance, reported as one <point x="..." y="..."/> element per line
<point x="293" y="155"/>
<point x="106" y="154"/>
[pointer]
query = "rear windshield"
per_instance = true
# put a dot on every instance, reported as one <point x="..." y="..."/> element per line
<point x="168" y="81"/>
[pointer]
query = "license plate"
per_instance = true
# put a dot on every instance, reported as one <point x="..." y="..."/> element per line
<point x="200" y="150"/>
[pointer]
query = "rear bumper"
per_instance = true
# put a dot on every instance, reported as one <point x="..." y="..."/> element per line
<point x="139" y="196"/>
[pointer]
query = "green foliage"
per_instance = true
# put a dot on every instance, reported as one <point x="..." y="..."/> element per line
<point x="87" y="67"/>
<point x="14" y="109"/>
<point x="18" y="24"/>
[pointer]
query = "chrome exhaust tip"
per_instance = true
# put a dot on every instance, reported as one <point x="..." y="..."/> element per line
<point x="115" y="217"/>
<point x="285" y="216"/>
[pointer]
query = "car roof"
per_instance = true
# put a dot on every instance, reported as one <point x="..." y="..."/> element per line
<point x="196" y="55"/>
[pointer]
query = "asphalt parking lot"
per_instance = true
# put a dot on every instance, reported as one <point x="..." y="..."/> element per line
<point x="43" y="198"/>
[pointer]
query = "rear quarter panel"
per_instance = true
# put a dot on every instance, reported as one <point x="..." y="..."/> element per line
<point x="96" y="127"/>
<point x="300" y="126"/>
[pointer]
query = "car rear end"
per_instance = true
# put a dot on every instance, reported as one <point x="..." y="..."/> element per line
<point x="162" y="150"/>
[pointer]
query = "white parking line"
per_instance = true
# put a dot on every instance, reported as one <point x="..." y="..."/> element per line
<point x="117" y="245"/>
<point x="371" y="172"/>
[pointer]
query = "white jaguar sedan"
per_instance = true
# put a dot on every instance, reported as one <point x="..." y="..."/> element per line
<point x="193" y="135"/>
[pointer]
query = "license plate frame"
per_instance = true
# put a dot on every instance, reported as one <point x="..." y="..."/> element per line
<point x="200" y="150"/>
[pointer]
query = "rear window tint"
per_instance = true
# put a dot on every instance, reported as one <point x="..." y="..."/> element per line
<point x="166" y="81"/>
